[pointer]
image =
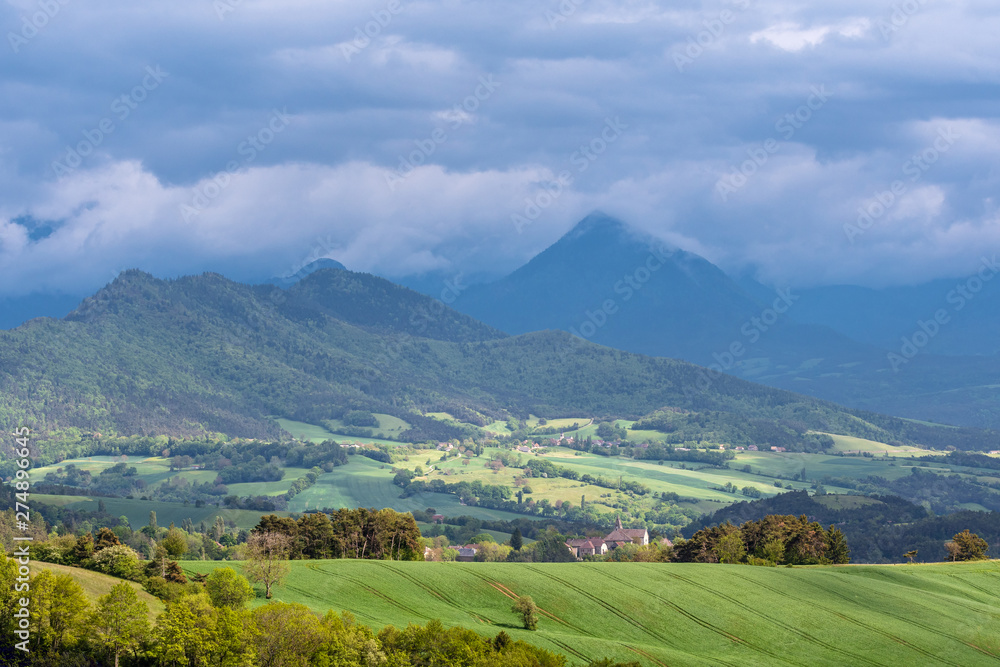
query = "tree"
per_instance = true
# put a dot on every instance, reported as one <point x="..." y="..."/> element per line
<point x="970" y="546"/>
<point x="58" y="608"/>
<point x="186" y="632"/>
<point x="226" y="588"/>
<point x="120" y="623"/>
<point x="175" y="543"/>
<point x="837" y="551"/>
<point x="266" y="556"/>
<point x="730" y="548"/>
<point x="105" y="538"/>
<point x="118" y="561"/>
<point x="84" y="548"/>
<point x="910" y="555"/>
<point x="516" y="541"/>
<point x="525" y="608"/>
<point x="953" y="550"/>
<point x="287" y="634"/>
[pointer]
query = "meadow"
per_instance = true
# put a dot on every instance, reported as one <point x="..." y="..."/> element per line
<point x="682" y="614"/>
<point x="364" y="482"/>
<point x="95" y="584"/>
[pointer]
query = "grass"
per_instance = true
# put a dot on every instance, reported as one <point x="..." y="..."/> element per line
<point x="683" y="614"/>
<point x="95" y="584"/>
<point x="367" y="483"/>
<point x="848" y="443"/>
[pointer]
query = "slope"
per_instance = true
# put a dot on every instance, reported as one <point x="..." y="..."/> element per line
<point x="204" y="354"/>
<point x="681" y="614"/>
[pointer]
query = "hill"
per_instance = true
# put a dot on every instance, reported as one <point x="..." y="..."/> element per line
<point x="680" y="614"/>
<point x="95" y="584"/>
<point x="204" y="354"/>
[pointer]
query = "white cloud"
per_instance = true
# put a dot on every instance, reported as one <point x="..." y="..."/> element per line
<point x="790" y="36"/>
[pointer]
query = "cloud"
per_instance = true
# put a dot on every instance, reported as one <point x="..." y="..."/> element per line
<point x="793" y="37"/>
<point x="413" y="71"/>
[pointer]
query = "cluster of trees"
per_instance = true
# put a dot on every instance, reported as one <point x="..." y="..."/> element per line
<point x="657" y="452"/>
<point x="118" y="480"/>
<point x="210" y="625"/>
<point x="879" y="530"/>
<point x="941" y="493"/>
<point x="773" y="540"/>
<point x="348" y="533"/>
<point x="684" y="426"/>
<point x="543" y="467"/>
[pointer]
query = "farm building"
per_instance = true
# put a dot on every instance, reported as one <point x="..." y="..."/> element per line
<point x="596" y="546"/>
<point x="466" y="554"/>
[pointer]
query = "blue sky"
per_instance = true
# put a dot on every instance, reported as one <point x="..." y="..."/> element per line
<point x="248" y="137"/>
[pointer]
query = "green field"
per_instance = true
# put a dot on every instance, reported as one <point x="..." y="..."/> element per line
<point x="683" y="614"/>
<point x="95" y="584"/>
<point x="367" y="483"/>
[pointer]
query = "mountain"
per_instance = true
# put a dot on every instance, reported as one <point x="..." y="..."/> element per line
<point x="609" y="284"/>
<point x="308" y="269"/>
<point x="203" y="354"/>
<point x="884" y="317"/>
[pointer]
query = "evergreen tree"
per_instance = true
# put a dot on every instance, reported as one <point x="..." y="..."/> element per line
<point x="516" y="542"/>
<point x="837" y="551"/>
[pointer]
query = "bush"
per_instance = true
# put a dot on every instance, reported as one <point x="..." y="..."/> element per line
<point x="118" y="561"/>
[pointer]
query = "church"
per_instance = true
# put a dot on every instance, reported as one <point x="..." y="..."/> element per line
<point x="595" y="546"/>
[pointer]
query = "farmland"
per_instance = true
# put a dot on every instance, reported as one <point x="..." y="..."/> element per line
<point x="364" y="482"/>
<point x="683" y="614"/>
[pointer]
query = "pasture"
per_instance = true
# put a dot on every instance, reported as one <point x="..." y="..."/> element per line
<point x="95" y="584"/>
<point x="682" y="614"/>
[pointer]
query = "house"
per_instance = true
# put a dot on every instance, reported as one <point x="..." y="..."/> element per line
<point x="593" y="546"/>
<point x="752" y="448"/>
<point x="438" y="518"/>
<point x="596" y="546"/>
<point x="778" y="449"/>
<point x="620" y="536"/>
<point x="466" y="554"/>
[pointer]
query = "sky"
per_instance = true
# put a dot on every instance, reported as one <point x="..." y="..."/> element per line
<point x="829" y="142"/>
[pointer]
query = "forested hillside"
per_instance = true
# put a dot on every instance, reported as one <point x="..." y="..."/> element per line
<point x="204" y="354"/>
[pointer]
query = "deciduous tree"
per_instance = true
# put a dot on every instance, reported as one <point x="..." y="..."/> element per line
<point x="120" y="622"/>
<point x="266" y="559"/>
<point x="970" y="546"/>
<point x="527" y="611"/>
<point x="226" y="588"/>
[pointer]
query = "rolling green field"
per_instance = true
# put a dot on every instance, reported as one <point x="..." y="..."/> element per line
<point x="367" y="483"/>
<point x="95" y="584"/>
<point x="683" y="614"/>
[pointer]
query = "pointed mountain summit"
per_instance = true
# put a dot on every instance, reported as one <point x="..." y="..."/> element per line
<point x="617" y="286"/>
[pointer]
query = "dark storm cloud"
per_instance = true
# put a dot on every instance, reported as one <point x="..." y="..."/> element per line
<point x="278" y="132"/>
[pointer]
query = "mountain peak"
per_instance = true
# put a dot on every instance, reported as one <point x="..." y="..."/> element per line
<point x="598" y="222"/>
<point x="307" y="270"/>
